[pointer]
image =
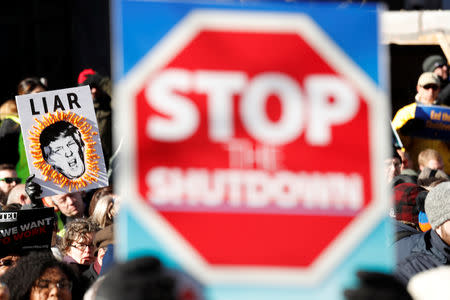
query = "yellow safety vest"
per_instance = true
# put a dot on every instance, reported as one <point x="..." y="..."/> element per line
<point x="22" y="165"/>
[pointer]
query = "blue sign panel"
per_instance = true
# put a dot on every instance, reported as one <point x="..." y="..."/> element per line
<point x="432" y="122"/>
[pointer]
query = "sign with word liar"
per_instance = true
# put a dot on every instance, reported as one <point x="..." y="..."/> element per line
<point x="255" y="142"/>
<point x="61" y="138"/>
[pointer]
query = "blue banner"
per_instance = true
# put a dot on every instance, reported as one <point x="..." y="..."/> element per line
<point x="432" y="122"/>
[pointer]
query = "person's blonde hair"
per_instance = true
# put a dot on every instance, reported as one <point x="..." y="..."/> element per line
<point x="8" y="108"/>
<point x="105" y="210"/>
<point x="428" y="154"/>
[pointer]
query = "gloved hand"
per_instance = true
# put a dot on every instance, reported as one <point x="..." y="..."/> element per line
<point x="375" y="285"/>
<point x="33" y="191"/>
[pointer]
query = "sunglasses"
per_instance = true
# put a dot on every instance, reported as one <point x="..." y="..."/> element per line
<point x="430" y="86"/>
<point x="10" y="180"/>
<point x="440" y="66"/>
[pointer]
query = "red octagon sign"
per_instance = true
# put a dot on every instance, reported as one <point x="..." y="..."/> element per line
<point x="254" y="147"/>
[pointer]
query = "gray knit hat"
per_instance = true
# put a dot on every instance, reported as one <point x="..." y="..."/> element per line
<point x="432" y="62"/>
<point x="437" y="204"/>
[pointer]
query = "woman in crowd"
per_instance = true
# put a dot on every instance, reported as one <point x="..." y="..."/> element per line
<point x="104" y="212"/>
<point x="40" y="276"/>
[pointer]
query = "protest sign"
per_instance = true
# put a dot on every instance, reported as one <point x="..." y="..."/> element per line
<point x="62" y="141"/>
<point x="432" y="122"/>
<point x="242" y="123"/>
<point x="27" y="229"/>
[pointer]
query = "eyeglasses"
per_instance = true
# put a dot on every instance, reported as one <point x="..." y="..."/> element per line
<point x="10" y="180"/>
<point x="430" y="86"/>
<point x="82" y="247"/>
<point x="45" y="285"/>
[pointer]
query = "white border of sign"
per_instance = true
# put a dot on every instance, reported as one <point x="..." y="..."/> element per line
<point x="175" y="244"/>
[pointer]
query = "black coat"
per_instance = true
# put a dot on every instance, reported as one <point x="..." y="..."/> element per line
<point x="429" y="251"/>
<point x="405" y="240"/>
<point x="444" y="95"/>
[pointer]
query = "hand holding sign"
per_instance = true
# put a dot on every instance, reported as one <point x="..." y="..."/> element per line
<point x="33" y="191"/>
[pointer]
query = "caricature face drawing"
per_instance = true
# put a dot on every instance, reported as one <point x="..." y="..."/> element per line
<point x="63" y="149"/>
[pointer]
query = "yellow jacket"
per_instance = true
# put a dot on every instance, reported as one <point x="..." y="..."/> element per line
<point x="414" y="145"/>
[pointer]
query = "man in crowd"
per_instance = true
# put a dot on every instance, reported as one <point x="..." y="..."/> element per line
<point x="67" y="206"/>
<point x="101" y="91"/>
<point x="78" y="246"/>
<point x="406" y="124"/>
<point x="432" y="248"/>
<point x="8" y="178"/>
<point x="438" y="65"/>
<point x="430" y="158"/>
<point x="18" y="195"/>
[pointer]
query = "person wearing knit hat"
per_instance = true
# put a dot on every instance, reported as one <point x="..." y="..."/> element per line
<point x="429" y="249"/>
<point x="437" y="207"/>
<point x="433" y="62"/>
<point x="438" y="65"/>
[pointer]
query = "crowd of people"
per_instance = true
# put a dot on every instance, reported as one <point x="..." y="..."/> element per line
<point x="79" y="261"/>
<point x="418" y="173"/>
<point x="82" y="245"/>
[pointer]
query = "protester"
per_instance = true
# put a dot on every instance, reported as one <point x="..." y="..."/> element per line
<point x="8" y="108"/>
<point x="428" y="175"/>
<point x="432" y="248"/>
<point x="39" y="275"/>
<point x="8" y="178"/>
<point x="101" y="95"/>
<point x="407" y="167"/>
<point x="68" y="207"/>
<point x="10" y="132"/>
<point x="106" y="209"/>
<point x="428" y="184"/>
<point x="438" y="65"/>
<point x="7" y="262"/>
<point x="430" y="158"/>
<point x="138" y="279"/>
<point x="99" y="193"/>
<point x="392" y="166"/>
<point x="18" y="195"/>
<point x="77" y="244"/>
<point x="406" y="124"/>
<point x="78" y="248"/>
<point x="102" y="239"/>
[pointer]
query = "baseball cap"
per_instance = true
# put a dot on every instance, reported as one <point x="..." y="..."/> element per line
<point x="428" y="78"/>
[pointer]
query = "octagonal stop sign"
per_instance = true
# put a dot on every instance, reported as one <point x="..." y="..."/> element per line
<point x="254" y="146"/>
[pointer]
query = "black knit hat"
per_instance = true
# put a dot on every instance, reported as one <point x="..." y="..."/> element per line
<point x="432" y="62"/>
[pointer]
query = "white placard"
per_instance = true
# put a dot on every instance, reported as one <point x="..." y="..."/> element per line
<point x="62" y="140"/>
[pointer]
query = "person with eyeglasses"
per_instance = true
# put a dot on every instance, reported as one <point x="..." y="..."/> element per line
<point x="39" y="276"/>
<point x="77" y="246"/>
<point x="8" y="178"/>
<point x="439" y="66"/>
<point x="405" y="123"/>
